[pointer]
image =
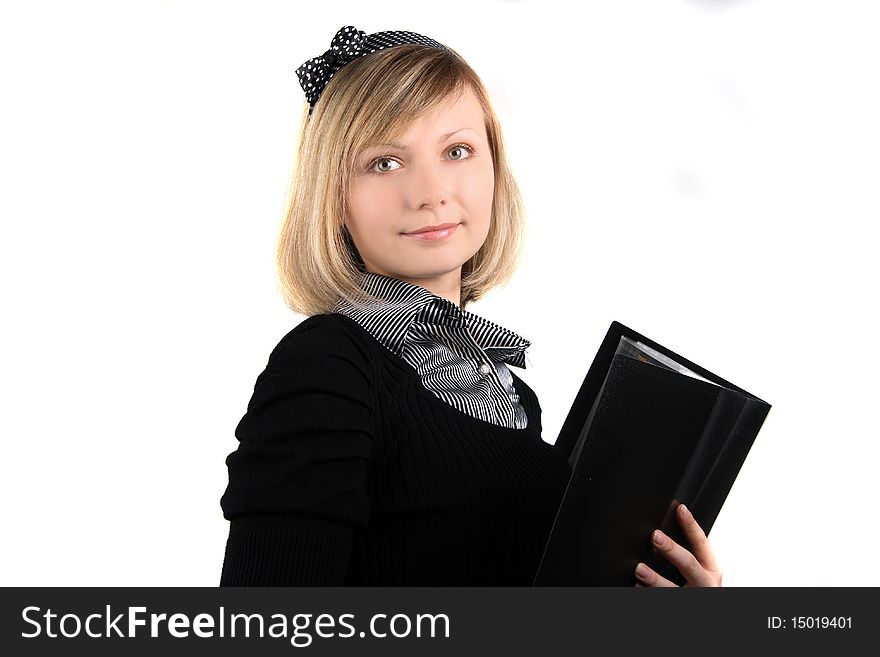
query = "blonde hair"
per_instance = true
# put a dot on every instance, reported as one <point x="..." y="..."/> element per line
<point x="374" y="99"/>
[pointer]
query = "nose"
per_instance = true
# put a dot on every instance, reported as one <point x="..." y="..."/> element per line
<point x="430" y="186"/>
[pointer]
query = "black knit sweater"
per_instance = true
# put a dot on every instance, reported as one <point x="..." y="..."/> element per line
<point x="350" y="472"/>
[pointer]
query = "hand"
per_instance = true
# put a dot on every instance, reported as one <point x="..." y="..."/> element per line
<point x="699" y="568"/>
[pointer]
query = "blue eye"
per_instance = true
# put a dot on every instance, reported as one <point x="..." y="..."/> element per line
<point x="385" y="161"/>
<point x="379" y="160"/>
<point x="459" y="147"/>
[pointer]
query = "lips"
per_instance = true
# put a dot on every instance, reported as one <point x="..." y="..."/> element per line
<point x="431" y="229"/>
<point x="435" y="235"/>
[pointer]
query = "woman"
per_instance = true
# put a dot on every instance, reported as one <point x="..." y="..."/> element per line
<point x="387" y="442"/>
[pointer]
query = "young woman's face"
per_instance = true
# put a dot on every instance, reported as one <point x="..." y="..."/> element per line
<point x="440" y="172"/>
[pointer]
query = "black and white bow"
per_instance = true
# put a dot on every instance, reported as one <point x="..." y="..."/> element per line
<point x="315" y="73"/>
<point x="349" y="44"/>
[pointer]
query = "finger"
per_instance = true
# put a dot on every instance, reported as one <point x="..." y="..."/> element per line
<point x="697" y="538"/>
<point x="650" y="577"/>
<point x="679" y="557"/>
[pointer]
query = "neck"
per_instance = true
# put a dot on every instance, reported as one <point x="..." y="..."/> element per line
<point x="446" y="285"/>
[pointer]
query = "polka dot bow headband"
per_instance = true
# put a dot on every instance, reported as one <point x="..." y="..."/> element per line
<point x="349" y="44"/>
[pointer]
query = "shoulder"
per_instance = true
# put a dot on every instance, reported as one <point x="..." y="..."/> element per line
<point x="319" y="355"/>
<point x="324" y="335"/>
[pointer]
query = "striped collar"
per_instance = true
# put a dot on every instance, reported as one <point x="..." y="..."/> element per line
<point x="405" y="305"/>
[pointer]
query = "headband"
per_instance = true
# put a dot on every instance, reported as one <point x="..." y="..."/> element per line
<point x="349" y="44"/>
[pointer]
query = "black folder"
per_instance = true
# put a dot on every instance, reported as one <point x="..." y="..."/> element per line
<point x="647" y="430"/>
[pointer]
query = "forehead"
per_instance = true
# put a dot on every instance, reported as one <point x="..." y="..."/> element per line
<point x="451" y="115"/>
<point x="466" y="107"/>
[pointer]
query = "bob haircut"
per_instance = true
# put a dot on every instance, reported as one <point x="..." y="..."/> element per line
<point x="375" y="99"/>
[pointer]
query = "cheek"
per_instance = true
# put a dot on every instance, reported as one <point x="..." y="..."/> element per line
<point x="367" y="205"/>
<point x="481" y="191"/>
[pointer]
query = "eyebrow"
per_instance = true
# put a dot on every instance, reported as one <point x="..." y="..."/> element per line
<point x="403" y="147"/>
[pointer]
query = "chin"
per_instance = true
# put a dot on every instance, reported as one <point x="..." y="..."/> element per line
<point x="429" y="268"/>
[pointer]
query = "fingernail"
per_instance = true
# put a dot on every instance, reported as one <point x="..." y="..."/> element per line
<point x="685" y="511"/>
<point x="658" y="537"/>
<point x="641" y="570"/>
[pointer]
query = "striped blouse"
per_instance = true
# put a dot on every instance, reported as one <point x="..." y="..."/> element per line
<point x="461" y="357"/>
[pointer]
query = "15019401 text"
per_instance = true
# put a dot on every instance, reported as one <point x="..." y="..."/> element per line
<point x="809" y="622"/>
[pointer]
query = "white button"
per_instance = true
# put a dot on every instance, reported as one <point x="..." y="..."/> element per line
<point x="485" y="369"/>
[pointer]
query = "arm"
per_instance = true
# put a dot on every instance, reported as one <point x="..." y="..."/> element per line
<point x="297" y="482"/>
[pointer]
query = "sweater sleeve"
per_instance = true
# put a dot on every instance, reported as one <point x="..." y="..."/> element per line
<point x="297" y="481"/>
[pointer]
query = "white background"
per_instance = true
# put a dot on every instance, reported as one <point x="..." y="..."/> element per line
<point x="704" y="172"/>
